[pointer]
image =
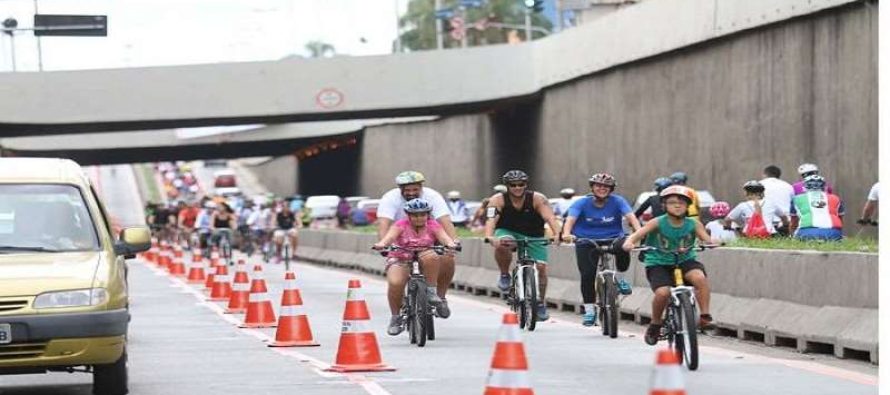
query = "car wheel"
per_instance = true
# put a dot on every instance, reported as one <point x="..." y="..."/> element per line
<point x="111" y="379"/>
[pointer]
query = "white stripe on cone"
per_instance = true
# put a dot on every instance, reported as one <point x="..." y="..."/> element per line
<point x="356" y="326"/>
<point x="667" y="377"/>
<point x="259" y="297"/>
<point x="354" y="294"/>
<point x="501" y="378"/>
<point x="291" y="311"/>
<point x="509" y="334"/>
<point x="290" y="284"/>
<point x="236" y="286"/>
<point x="221" y="278"/>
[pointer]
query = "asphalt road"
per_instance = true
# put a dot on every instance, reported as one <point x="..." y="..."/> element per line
<point x="180" y="344"/>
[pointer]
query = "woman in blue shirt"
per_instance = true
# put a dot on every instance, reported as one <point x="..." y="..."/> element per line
<point x="598" y="216"/>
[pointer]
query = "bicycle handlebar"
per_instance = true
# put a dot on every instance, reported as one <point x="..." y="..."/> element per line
<point x="527" y="241"/>
<point x="700" y="247"/>
<point x="439" y="249"/>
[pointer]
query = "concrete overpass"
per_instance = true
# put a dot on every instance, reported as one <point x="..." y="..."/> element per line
<point x="423" y="83"/>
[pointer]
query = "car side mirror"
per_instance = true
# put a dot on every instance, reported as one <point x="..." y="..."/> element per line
<point x="132" y="240"/>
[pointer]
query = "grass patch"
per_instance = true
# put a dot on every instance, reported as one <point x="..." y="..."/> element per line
<point x="461" y="232"/>
<point x="849" y="244"/>
<point x="148" y="183"/>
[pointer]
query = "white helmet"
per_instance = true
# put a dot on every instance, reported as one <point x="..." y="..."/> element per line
<point x="453" y="195"/>
<point x="500" y="188"/>
<point x="807" y="168"/>
<point x="567" y="191"/>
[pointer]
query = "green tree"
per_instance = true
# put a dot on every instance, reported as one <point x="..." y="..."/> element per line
<point x="419" y="23"/>
<point x="318" y="49"/>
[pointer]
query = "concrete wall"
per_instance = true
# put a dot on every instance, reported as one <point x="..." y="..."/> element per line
<point x="801" y="91"/>
<point x="815" y="302"/>
<point x="453" y="153"/>
<point x="423" y="82"/>
<point x="279" y="175"/>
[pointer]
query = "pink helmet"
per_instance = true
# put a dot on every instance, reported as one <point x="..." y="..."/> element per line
<point x="719" y="209"/>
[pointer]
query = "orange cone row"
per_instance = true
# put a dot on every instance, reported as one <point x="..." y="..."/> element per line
<point x="196" y="269"/>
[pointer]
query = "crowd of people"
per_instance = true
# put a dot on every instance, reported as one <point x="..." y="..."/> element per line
<point x="414" y="216"/>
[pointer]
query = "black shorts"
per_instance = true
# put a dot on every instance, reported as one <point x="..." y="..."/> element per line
<point x="663" y="276"/>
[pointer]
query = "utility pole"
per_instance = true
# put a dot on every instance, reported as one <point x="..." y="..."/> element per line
<point x="440" y="42"/>
<point x="9" y="26"/>
<point x="528" y="25"/>
<point x="463" y="27"/>
<point x="39" y="47"/>
<point x="398" y="29"/>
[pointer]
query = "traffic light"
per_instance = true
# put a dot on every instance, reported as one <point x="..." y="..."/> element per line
<point x="534" y="5"/>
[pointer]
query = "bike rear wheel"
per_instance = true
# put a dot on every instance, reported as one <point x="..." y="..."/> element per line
<point x="531" y="297"/>
<point x="602" y="302"/>
<point x="517" y="304"/>
<point x="286" y="255"/>
<point x="689" y="333"/>
<point x="409" y="313"/>
<point x="612" y="307"/>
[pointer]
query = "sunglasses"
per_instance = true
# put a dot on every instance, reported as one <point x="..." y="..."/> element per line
<point x="521" y="185"/>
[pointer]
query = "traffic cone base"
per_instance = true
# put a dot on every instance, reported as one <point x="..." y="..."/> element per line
<point x="358" y="350"/>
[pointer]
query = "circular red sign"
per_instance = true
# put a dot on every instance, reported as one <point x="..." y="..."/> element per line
<point x="329" y="98"/>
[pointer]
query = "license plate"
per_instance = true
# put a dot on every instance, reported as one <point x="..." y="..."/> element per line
<point x="5" y="333"/>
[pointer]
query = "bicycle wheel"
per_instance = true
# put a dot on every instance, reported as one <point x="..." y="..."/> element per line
<point x="286" y="255"/>
<point x="409" y="313"/>
<point x="688" y="332"/>
<point x="601" y="303"/>
<point x="612" y="309"/>
<point x="421" y="313"/>
<point x="430" y="327"/>
<point x="516" y="304"/>
<point x="531" y="297"/>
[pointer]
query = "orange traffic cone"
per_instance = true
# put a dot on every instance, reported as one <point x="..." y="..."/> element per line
<point x="509" y="367"/>
<point x="240" y="290"/>
<point x="214" y="263"/>
<point x="176" y="268"/>
<point x="260" y="313"/>
<point x="196" y="269"/>
<point x="164" y="260"/>
<point x="293" y="323"/>
<point x="358" y="350"/>
<point x="152" y="254"/>
<point x="177" y="251"/>
<point x="222" y="289"/>
<point x="666" y="376"/>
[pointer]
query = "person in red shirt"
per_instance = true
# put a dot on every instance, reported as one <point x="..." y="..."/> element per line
<point x="188" y="215"/>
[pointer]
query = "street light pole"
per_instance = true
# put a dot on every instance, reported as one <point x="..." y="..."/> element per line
<point x="39" y="47"/>
<point x="440" y="43"/>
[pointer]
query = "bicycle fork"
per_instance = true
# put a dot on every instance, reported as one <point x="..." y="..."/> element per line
<point x="519" y="281"/>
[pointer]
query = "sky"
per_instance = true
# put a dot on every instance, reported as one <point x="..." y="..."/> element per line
<point x="177" y="32"/>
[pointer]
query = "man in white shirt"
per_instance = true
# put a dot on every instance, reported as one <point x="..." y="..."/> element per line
<point x="779" y="193"/>
<point x="391" y="209"/>
<point x="871" y="204"/>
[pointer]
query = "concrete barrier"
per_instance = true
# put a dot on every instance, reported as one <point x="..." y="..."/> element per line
<point x="809" y="301"/>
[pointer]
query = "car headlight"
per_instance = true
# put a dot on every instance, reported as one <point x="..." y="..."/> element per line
<point x="74" y="298"/>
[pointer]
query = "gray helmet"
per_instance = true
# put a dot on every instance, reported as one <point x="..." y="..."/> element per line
<point x="513" y="176"/>
<point x="679" y="178"/>
<point x="814" y="182"/>
<point x="753" y="186"/>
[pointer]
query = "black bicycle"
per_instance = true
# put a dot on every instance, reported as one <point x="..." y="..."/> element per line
<point x="416" y="310"/>
<point x="606" y="284"/>
<point x="680" y="324"/>
<point x="523" y="292"/>
<point x="224" y="242"/>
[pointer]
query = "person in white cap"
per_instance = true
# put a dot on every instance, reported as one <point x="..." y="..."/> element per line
<point x="460" y="214"/>
<point x="805" y="170"/>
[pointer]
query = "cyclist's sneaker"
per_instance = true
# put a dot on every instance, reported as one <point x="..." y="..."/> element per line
<point x="652" y="334"/>
<point x="504" y="282"/>
<point x="442" y="310"/>
<point x="395" y="325"/>
<point x="542" y="312"/>
<point x="624" y="287"/>
<point x="706" y="322"/>
<point x="431" y="296"/>
<point x="589" y="319"/>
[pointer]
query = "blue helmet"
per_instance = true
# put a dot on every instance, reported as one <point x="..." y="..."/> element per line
<point x="417" y="205"/>
<point x="661" y="183"/>
<point x="814" y="182"/>
<point x="679" y="178"/>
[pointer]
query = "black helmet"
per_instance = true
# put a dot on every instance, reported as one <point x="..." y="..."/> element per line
<point x="513" y="176"/>
<point x="753" y="186"/>
<point x="661" y="183"/>
<point x="679" y="178"/>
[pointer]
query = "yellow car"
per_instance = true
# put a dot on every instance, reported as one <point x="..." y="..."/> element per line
<point x="63" y="282"/>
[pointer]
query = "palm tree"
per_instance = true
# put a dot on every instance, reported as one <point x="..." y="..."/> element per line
<point x="318" y="49"/>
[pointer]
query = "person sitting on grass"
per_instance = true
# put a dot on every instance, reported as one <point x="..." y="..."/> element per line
<point x="816" y="214"/>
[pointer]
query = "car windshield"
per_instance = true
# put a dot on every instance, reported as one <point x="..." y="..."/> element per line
<point x="44" y="217"/>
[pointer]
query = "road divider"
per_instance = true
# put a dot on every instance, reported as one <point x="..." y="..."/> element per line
<point x="818" y="302"/>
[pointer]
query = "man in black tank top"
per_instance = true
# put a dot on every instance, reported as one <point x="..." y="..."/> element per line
<point x="519" y="213"/>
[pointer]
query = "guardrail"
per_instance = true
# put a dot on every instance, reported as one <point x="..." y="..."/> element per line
<point x="811" y="301"/>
